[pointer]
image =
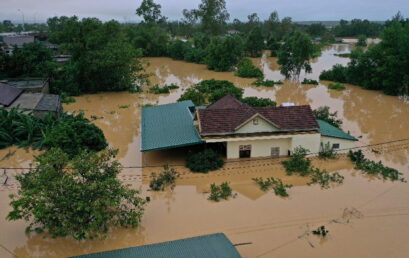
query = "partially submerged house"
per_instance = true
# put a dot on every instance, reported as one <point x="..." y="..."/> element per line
<point x="242" y="130"/>
<point x="37" y="103"/>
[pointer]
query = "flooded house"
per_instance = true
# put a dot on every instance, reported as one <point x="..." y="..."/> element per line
<point x="17" y="40"/>
<point x="37" y="103"/>
<point x="242" y="131"/>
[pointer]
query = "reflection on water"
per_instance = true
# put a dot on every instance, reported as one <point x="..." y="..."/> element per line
<point x="272" y="224"/>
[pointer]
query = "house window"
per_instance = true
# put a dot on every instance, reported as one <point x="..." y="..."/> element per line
<point x="255" y="121"/>
<point x="335" y="146"/>
<point x="275" y="151"/>
<point x="245" y="151"/>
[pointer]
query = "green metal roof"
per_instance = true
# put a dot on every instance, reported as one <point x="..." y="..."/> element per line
<point x="331" y="131"/>
<point x="208" y="246"/>
<point x="168" y="126"/>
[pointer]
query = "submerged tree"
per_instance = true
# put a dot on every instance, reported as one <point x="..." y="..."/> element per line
<point x="295" y="54"/>
<point x="81" y="198"/>
<point x="212" y="15"/>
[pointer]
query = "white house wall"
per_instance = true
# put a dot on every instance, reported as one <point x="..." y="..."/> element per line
<point x="310" y="142"/>
<point x="343" y="144"/>
<point x="259" y="148"/>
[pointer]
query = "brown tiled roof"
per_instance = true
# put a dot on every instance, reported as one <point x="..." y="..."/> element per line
<point x="8" y="94"/>
<point x="227" y="102"/>
<point x="220" y="118"/>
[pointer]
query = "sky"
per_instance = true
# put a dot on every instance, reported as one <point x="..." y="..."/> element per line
<point x="124" y="10"/>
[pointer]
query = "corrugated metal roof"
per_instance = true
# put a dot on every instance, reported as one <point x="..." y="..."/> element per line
<point x="8" y="94"/>
<point x="168" y="126"/>
<point x="49" y="102"/>
<point x="208" y="246"/>
<point x="331" y="131"/>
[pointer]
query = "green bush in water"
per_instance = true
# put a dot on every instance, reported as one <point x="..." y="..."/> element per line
<point x="220" y="192"/>
<point x="336" y="86"/>
<point x="298" y="163"/>
<point x="204" y="161"/>
<point x="166" y="178"/>
<point x="324" y="179"/>
<point x="246" y="69"/>
<point x="309" y="81"/>
<point x="275" y="183"/>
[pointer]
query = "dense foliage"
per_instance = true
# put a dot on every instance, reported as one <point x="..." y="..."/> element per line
<point x="224" y="53"/>
<point x="31" y="60"/>
<point x="254" y="42"/>
<point x="246" y="69"/>
<point x="325" y="179"/>
<point x="83" y="201"/>
<point x="155" y="89"/>
<point x="204" y="161"/>
<point x="295" y="54"/>
<point x="266" y="83"/>
<point x="384" y="66"/>
<point x="71" y="133"/>
<point x="370" y="167"/>
<point x="258" y="102"/>
<point x="220" y="192"/>
<point x="101" y="57"/>
<point x="323" y="113"/>
<point x="309" y="81"/>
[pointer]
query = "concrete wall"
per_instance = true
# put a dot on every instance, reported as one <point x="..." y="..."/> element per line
<point x="259" y="148"/>
<point x="310" y="142"/>
<point x="343" y="144"/>
<point x="262" y="126"/>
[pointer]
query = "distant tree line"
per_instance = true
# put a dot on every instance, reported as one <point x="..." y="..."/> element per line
<point x="383" y="66"/>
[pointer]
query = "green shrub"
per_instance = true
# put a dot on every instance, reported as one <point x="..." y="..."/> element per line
<point x="309" y="81"/>
<point x="220" y="192"/>
<point x="246" y="69"/>
<point x="265" y="83"/>
<point x="326" y="151"/>
<point x="166" y="178"/>
<point x="336" y="86"/>
<point x="298" y="163"/>
<point x="324" y="179"/>
<point x="338" y="73"/>
<point x="275" y="183"/>
<point x="194" y="95"/>
<point x="66" y="99"/>
<point x="204" y="161"/>
<point x="74" y="133"/>
<point x="374" y="168"/>
<point x="177" y="49"/>
<point x="258" y="102"/>
<point x="162" y="90"/>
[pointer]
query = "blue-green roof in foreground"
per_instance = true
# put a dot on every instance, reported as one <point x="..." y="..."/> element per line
<point x="208" y="246"/>
<point x="331" y="131"/>
<point x="168" y="126"/>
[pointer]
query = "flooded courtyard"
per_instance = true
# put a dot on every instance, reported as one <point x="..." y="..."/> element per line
<point x="366" y="217"/>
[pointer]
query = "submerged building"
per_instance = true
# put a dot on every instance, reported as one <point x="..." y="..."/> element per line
<point x="242" y="131"/>
<point x="37" y="103"/>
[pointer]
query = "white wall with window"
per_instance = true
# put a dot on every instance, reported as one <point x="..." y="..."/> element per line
<point x="338" y="144"/>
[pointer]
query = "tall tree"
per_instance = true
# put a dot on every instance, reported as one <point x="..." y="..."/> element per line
<point x="224" y="53"/>
<point x="81" y="198"/>
<point x="150" y="12"/>
<point x="255" y="42"/>
<point x="212" y="14"/>
<point x="295" y="54"/>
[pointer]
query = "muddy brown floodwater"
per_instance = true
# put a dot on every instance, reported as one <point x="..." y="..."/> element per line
<point x="366" y="217"/>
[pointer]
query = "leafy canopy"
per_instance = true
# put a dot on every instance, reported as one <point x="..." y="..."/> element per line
<point x="295" y="54"/>
<point x="83" y="201"/>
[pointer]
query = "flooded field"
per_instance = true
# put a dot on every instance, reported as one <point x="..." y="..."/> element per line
<point x="366" y="217"/>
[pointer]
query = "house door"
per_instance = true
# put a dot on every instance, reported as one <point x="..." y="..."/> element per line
<point x="245" y="151"/>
